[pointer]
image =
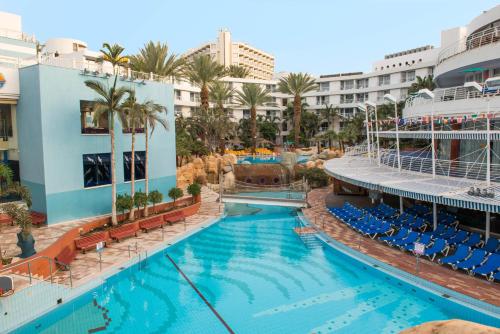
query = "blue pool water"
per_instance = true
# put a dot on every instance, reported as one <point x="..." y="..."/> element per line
<point x="269" y="159"/>
<point x="261" y="278"/>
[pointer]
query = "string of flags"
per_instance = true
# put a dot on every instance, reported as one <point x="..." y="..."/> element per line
<point x="437" y="119"/>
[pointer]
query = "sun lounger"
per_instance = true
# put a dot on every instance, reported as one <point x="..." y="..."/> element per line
<point x="491" y="245"/>
<point x="491" y="265"/>
<point x="402" y="233"/>
<point x="458" y="238"/>
<point x="438" y="247"/>
<point x="409" y="239"/>
<point x="461" y="253"/>
<point x="477" y="258"/>
<point x="495" y="276"/>
<point x="474" y="240"/>
<point x="424" y="239"/>
<point x="6" y="286"/>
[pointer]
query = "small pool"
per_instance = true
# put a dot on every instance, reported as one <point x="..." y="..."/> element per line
<point x="268" y="159"/>
<point x="261" y="278"/>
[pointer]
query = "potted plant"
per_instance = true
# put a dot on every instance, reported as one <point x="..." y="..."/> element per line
<point x="154" y="198"/>
<point x="21" y="216"/>
<point x="140" y="200"/>
<point x="175" y="193"/>
<point x="195" y="191"/>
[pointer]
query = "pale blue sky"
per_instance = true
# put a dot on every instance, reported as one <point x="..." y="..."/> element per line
<point x="316" y="36"/>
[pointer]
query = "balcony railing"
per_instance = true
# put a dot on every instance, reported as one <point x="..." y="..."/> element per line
<point x="485" y="37"/>
<point x="450" y="168"/>
<point x="449" y="94"/>
<point x="19" y="35"/>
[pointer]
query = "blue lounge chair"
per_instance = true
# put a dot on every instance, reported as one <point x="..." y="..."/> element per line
<point x="440" y="229"/>
<point x="400" y="235"/>
<point x="458" y="238"/>
<point x="474" y="240"/>
<point x="477" y="257"/>
<point x="410" y="239"/>
<point x="424" y="239"/>
<point x="438" y="247"/>
<point x="460" y="254"/>
<point x="491" y="245"/>
<point x="495" y="276"/>
<point x="449" y="233"/>
<point x="491" y="265"/>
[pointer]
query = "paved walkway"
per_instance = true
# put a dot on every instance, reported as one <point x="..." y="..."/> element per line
<point x="86" y="266"/>
<point x="458" y="281"/>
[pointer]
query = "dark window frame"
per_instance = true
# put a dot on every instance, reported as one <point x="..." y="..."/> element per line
<point x="140" y="165"/>
<point x="96" y="169"/>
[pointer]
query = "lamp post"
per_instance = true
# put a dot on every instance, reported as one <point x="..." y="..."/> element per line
<point x="363" y="108"/>
<point x="392" y="99"/>
<point x="425" y="93"/>
<point x="374" y="106"/>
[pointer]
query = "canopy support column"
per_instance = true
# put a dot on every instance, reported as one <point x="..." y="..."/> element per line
<point x="488" y="226"/>
<point x="378" y="141"/>
<point x="397" y="134"/>
<point x="368" y="135"/>
<point x="401" y="205"/>
<point x="434" y="215"/>
<point x="433" y="143"/>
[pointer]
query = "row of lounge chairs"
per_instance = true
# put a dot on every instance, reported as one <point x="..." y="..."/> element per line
<point x="403" y="231"/>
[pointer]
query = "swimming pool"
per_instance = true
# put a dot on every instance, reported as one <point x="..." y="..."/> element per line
<point x="268" y="159"/>
<point x="261" y="278"/>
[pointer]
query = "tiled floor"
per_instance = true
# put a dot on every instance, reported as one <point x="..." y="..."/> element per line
<point x="86" y="266"/>
<point x="458" y="281"/>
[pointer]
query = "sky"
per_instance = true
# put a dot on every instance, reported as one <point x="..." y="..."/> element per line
<point x="314" y="36"/>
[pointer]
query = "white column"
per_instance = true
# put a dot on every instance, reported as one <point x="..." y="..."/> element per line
<point x="488" y="226"/>
<point x="396" y="120"/>
<point x="433" y="143"/>
<point x="378" y="141"/>
<point x="401" y="205"/>
<point x="434" y="216"/>
<point x="368" y="134"/>
<point x="488" y="149"/>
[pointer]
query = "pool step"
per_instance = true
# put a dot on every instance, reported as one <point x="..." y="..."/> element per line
<point x="308" y="237"/>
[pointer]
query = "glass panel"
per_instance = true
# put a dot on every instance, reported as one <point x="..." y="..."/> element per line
<point x="140" y="165"/>
<point x="87" y="119"/>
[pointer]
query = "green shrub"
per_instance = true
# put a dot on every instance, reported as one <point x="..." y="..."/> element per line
<point x="124" y="203"/>
<point x="316" y="177"/>
<point x="154" y="198"/>
<point x="175" y="193"/>
<point x="194" y="189"/>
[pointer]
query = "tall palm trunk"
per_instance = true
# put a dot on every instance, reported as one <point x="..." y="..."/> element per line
<point x="253" y="116"/>
<point x="114" y="221"/>
<point x="204" y="97"/>
<point x="146" y="165"/>
<point x="297" y="104"/>
<point x="132" y="173"/>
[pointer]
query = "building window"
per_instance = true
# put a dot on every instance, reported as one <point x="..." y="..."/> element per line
<point x="362" y="97"/>
<point x="384" y="80"/>
<point x="177" y="94"/>
<point x="324" y="86"/>
<point x="194" y="97"/>
<point x="96" y="169"/>
<point x="284" y="102"/>
<point x="246" y="114"/>
<point x="348" y="98"/>
<point x="407" y="76"/>
<point x="5" y="121"/>
<point x="362" y="83"/>
<point x="140" y="159"/>
<point x="88" y="123"/>
<point x="346" y="84"/>
<point x="380" y="95"/>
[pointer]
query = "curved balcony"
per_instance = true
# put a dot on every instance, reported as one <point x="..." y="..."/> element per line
<point x="480" y="50"/>
<point x="455" y="183"/>
<point x="460" y="100"/>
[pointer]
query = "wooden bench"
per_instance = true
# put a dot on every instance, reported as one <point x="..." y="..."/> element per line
<point x="38" y="218"/>
<point x="90" y="241"/>
<point x="123" y="232"/>
<point x="151" y="223"/>
<point x="174" y="217"/>
<point x="5" y="219"/>
<point x="65" y="257"/>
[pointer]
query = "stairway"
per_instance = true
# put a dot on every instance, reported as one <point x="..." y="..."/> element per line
<point x="310" y="240"/>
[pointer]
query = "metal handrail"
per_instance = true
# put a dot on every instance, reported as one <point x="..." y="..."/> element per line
<point x="474" y="41"/>
<point x="449" y="94"/>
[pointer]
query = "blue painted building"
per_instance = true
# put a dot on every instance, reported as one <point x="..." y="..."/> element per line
<point x="64" y="157"/>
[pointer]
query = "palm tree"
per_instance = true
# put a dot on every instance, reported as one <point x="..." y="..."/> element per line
<point x="297" y="84"/>
<point x="329" y="113"/>
<point x="237" y="71"/>
<point x="426" y="82"/>
<point x="154" y="58"/>
<point x="133" y="114"/>
<point x="253" y="95"/>
<point x="219" y="93"/>
<point x="151" y="116"/>
<point x="108" y="104"/>
<point x="202" y="71"/>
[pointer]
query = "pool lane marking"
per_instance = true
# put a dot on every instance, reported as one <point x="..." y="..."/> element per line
<point x="214" y="311"/>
